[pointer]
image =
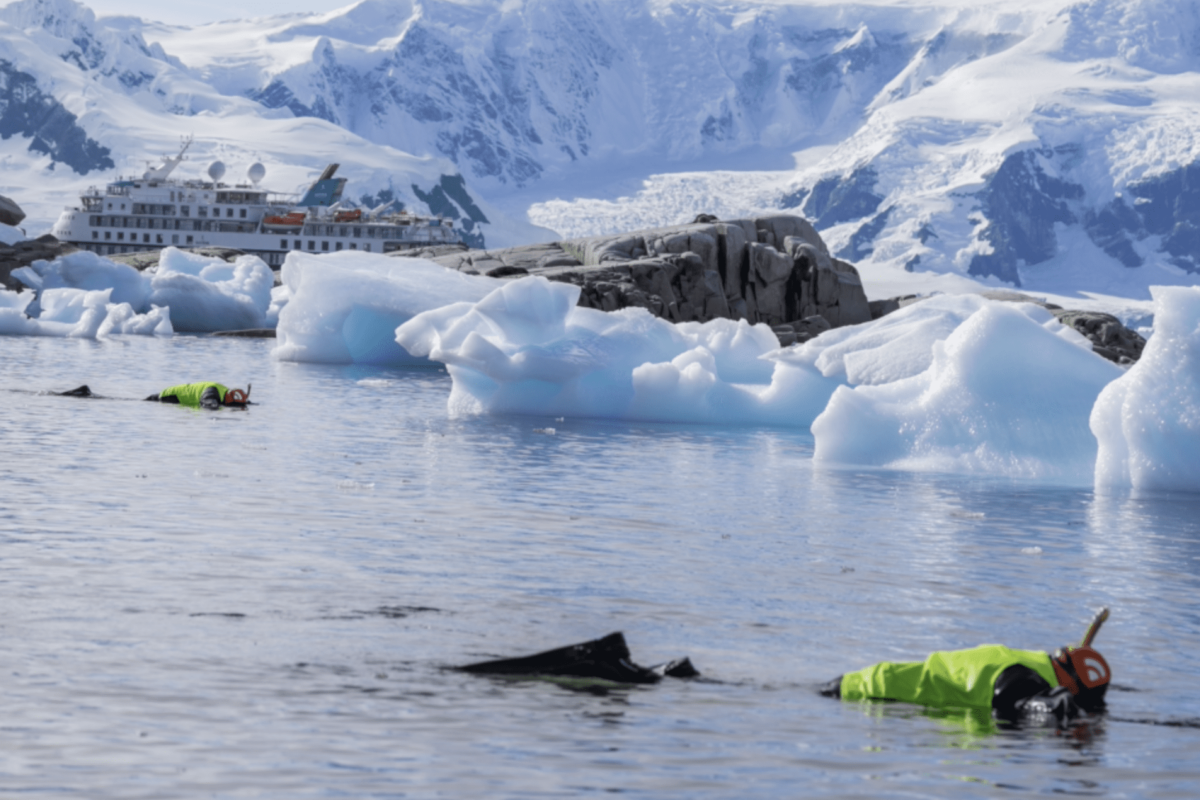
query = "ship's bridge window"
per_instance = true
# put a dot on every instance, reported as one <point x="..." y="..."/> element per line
<point x="324" y="245"/>
<point x="312" y="245"/>
<point x="229" y="212"/>
<point x="297" y="247"/>
<point x="120" y="236"/>
<point x="337" y="246"/>
<point x="202" y="211"/>
<point x="122" y="206"/>
<point x="358" y="233"/>
<point x="243" y="213"/>
<point x="185" y="211"/>
<point x="95" y="234"/>
<point x="107" y="235"/>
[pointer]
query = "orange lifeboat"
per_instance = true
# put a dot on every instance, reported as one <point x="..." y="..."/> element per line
<point x="348" y="216"/>
<point x="293" y="220"/>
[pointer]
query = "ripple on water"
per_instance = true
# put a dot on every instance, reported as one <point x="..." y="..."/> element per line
<point x="264" y="603"/>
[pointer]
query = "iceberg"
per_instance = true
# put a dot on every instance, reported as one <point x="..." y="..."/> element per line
<point x="1008" y="392"/>
<point x="526" y="348"/>
<point x="203" y="293"/>
<point x="77" y="313"/>
<point x="345" y="308"/>
<point x="1147" y="422"/>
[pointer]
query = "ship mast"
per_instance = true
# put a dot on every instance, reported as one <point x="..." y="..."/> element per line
<point x="169" y="164"/>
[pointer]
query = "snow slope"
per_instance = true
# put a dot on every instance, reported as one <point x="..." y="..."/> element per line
<point x="942" y="144"/>
<point x="83" y="101"/>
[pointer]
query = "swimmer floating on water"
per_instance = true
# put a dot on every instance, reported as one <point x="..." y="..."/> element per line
<point x="1017" y="685"/>
<point x="206" y="394"/>
<point x="203" y="395"/>
<point x="1026" y="686"/>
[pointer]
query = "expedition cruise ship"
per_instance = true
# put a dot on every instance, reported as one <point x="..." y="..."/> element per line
<point x="155" y="212"/>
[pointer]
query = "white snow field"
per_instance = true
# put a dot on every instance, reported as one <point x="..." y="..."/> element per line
<point x="1148" y="420"/>
<point x="344" y="308"/>
<point x="202" y="293"/>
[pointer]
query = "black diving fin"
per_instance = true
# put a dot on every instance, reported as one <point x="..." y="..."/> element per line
<point x="607" y="658"/>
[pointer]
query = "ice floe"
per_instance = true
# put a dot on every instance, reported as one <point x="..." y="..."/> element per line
<point x="345" y="309"/>
<point x="202" y="293"/>
<point x="1147" y="421"/>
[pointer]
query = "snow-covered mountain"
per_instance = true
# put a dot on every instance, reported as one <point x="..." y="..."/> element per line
<point x="85" y="100"/>
<point x="1047" y="144"/>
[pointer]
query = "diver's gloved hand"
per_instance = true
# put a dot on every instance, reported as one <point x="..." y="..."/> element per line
<point x="1057" y="704"/>
<point x="211" y="399"/>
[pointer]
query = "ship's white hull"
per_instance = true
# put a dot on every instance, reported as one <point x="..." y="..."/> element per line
<point x="109" y="234"/>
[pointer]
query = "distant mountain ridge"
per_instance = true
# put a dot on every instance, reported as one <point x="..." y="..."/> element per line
<point x="1043" y="145"/>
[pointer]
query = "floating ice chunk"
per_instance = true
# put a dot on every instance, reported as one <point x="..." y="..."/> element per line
<point x="345" y="308"/>
<point x="1148" y="420"/>
<point x="1003" y="395"/>
<point x="84" y="270"/>
<point x="123" y="319"/>
<point x="203" y="293"/>
<point x="208" y="294"/>
<point x="527" y="348"/>
<point x="77" y="313"/>
<point x="280" y="295"/>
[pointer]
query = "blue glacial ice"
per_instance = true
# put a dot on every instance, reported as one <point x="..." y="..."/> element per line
<point x="1148" y="420"/>
<point x="1005" y="393"/>
<point x="196" y="293"/>
<point x="345" y="308"/>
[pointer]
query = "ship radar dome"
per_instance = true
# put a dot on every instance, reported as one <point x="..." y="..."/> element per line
<point x="256" y="173"/>
<point x="216" y="170"/>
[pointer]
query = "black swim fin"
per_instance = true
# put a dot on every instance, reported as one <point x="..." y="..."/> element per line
<point x="78" y="391"/>
<point x="607" y="658"/>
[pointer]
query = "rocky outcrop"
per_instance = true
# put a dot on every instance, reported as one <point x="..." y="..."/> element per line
<point x="146" y="259"/>
<point x="22" y="254"/>
<point x="10" y="212"/>
<point x="772" y="269"/>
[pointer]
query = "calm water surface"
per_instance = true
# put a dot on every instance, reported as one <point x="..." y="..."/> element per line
<point x="262" y="603"/>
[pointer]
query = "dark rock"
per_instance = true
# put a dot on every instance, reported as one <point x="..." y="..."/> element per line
<point x="1022" y="203"/>
<point x="810" y="328"/>
<point x="505" y="271"/>
<point x="10" y="212"/>
<point x="771" y="269"/>
<point x="881" y="308"/>
<point x="702" y="219"/>
<point x="146" y="259"/>
<point x="436" y="251"/>
<point x="248" y="333"/>
<point x="1109" y="337"/>
<point x="50" y="129"/>
<point x="22" y="254"/>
